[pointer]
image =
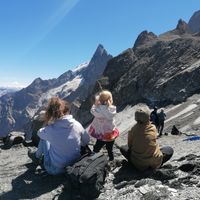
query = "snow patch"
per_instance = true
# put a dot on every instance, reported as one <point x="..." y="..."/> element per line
<point x="185" y="128"/>
<point x="187" y="115"/>
<point x="125" y="119"/>
<point x="31" y="111"/>
<point x="197" y="121"/>
<point x="65" y="89"/>
<point x="192" y="67"/>
<point x="172" y="108"/>
<point x="187" y="109"/>
<point x="80" y="67"/>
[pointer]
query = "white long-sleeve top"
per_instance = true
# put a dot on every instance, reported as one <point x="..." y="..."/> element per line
<point x="103" y="122"/>
<point x="66" y="135"/>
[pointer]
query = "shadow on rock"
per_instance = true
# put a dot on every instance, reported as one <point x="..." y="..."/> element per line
<point x="34" y="183"/>
<point x="128" y="175"/>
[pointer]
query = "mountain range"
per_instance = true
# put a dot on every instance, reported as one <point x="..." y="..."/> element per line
<point x="160" y="70"/>
<point x="18" y="108"/>
<point x="157" y="70"/>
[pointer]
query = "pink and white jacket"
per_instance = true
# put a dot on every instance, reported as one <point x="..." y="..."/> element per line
<point x="103" y="126"/>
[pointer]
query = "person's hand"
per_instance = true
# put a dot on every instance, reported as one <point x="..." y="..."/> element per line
<point x="97" y="102"/>
<point x="110" y="102"/>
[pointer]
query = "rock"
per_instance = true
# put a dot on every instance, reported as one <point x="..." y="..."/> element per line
<point x="144" y="38"/>
<point x="194" y="22"/>
<point x="13" y="138"/>
<point x="182" y="27"/>
<point x="164" y="175"/>
<point x="187" y="167"/>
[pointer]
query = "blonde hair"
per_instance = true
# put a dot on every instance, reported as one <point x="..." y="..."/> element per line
<point x="56" y="109"/>
<point x="105" y="96"/>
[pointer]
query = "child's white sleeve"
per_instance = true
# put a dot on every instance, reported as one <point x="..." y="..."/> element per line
<point x="96" y="112"/>
<point x="110" y="112"/>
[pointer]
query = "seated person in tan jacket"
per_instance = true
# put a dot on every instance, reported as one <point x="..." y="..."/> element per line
<point x="143" y="151"/>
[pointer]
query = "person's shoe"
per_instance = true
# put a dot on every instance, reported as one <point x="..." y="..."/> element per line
<point x="32" y="156"/>
<point x="28" y="143"/>
<point x="111" y="157"/>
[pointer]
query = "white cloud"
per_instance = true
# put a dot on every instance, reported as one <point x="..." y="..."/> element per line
<point x="12" y="84"/>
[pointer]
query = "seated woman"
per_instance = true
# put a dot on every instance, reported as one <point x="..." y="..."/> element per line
<point x="143" y="151"/>
<point x="61" y="139"/>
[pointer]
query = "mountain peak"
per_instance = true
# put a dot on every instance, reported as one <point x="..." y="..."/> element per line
<point x="100" y="50"/>
<point x="182" y="27"/>
<point x="37" y="81"/>
<point x="100" y="46"/>
<point x="144" y="37"/>
<point x="194" y="22"/>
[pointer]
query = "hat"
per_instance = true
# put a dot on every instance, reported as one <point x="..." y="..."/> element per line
<point x="142" y="114"/>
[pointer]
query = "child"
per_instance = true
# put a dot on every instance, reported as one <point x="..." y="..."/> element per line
<point x="102" y="127"/>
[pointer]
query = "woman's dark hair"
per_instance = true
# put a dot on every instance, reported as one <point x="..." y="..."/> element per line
<point x="56" y="109"/>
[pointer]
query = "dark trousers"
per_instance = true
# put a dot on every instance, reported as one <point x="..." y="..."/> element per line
<point x="160" y="128"/>
<point x="167" y="152"/>
<point x="109" y="146"/>
<point x="125" y="151"/>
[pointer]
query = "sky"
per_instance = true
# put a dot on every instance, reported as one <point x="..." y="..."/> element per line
<point x="45" y="38"/>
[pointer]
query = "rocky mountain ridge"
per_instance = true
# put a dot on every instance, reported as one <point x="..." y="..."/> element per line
<point x="193" y="23"/>
<point x="158" y="70"/>
<point x="18" y="108"/>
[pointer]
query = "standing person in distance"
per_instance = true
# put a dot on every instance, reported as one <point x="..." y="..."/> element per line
<point x="154" y="117"/>
<point x="61" y="139"/>
<point x="161" y="117"/>
<point x="103" y="127"/>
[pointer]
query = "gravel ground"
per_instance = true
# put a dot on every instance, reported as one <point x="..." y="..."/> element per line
<point x="178" y="178"/>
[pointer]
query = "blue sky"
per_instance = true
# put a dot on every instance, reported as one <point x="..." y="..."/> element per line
<point x="45" y="38"/>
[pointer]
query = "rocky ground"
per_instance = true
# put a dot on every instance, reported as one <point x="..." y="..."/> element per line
<point x="177" y="179"/>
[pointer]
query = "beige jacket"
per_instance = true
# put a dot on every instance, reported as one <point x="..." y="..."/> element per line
<point x="145" y="151"/>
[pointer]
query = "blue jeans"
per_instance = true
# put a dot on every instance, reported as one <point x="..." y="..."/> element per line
<point x="43" y="150"/>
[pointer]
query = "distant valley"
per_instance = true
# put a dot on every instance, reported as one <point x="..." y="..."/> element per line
<point x="6" y="90"/>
